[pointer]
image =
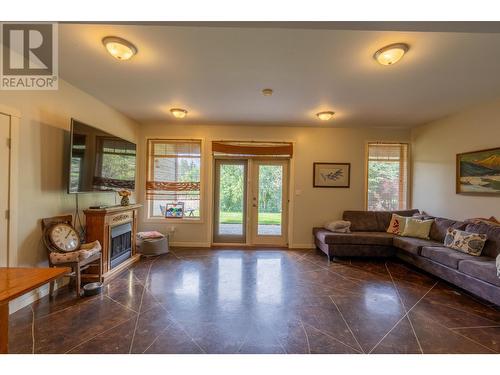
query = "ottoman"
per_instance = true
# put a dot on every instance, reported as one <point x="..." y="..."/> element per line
<point x="152" y="246"/>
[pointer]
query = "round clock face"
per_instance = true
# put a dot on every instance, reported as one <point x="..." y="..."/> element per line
<point x="64" y="237"/>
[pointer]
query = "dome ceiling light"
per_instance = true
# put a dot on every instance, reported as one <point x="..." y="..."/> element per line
<point x="391" y="54"/>
<point x="325" y="116"/>
<point x="119" y="48"/>
<point x="178" y="112"/>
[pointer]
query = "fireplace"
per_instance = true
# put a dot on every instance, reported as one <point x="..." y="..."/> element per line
<point x="120" y="244"/>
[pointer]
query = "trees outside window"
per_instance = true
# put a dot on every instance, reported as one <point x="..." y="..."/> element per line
<point x="387" y="176"/>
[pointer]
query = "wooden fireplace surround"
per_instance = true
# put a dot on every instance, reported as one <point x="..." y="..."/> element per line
<point x="99" y="223"/>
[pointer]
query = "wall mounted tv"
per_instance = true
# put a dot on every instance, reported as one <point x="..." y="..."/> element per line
<point x="99" y="161"/>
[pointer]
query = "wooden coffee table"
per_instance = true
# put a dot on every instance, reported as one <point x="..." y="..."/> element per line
<point x="15" y="282"/>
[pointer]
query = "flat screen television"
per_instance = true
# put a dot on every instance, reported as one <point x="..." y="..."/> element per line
<point x="99" y="161"/>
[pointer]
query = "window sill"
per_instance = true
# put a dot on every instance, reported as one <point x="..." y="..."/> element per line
<point x="159" y="220"/>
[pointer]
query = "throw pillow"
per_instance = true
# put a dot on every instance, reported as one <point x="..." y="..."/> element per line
<point x="498" y="265"/>
<point x="466" y="242"/>
<point x="339" y="226"/>
<point x="417" y="228"/>
<point x="397" y="224"/>
<point x="478" y="220"/>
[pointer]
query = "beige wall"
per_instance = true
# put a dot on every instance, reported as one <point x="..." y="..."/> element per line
<point x="42" y="158"/>
<point x="312" y="207"/>
<point x="435" y="146"/>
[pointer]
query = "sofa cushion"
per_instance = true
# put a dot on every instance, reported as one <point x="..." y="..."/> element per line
<point x="441" y="225"/>
<point x="358" y="238"/>
<point x="492" y="245"/>
<point x="482" y="268"/>
<point x="372" y="221"/>
<point x="445" y="256"/>
<point x="413" y="245"/>
<point x="362" y="220"/>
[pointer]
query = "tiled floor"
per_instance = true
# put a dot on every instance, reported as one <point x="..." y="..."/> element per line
<point x="261" y="301"/>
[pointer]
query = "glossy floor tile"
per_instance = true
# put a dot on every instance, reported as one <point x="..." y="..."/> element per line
<point x="261" y="301"/>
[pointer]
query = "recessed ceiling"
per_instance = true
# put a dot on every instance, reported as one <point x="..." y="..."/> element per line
<point x="217" y="73"/>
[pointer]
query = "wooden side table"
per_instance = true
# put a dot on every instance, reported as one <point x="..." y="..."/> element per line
<point x="14" y="282"/>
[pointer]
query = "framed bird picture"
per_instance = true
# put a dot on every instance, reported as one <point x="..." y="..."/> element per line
<point x="332" y="175"/>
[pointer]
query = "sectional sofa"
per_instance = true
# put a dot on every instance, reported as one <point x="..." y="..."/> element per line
<point x="368" y="238"/>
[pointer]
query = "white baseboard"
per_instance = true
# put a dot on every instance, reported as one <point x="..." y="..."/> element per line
<point x="190" y="244"/>
<point x="208" y="244"/>
<point x="34" y="295"/>
<point x="302" y="246"/>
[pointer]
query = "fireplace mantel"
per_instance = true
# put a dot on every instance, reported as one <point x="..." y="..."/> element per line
<point x="100" y="222"/>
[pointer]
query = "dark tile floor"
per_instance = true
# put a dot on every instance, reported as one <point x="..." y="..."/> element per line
<point x="261" y="301"/>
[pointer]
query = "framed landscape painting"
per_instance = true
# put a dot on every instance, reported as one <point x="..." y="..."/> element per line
<point x="479" y="172"/>
<point x="331" y="175"/>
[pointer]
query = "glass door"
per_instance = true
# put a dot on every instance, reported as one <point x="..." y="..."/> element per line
<point x="4" y="189"/>
<point x="230" y="201"/>
<point x="269" y="205"/>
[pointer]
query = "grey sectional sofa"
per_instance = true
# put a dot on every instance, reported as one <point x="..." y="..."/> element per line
<point x="477" y="275"/>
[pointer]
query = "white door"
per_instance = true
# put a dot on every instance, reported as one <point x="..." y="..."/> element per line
<point x="4" y="187"/>
<point x="269" y="202"/>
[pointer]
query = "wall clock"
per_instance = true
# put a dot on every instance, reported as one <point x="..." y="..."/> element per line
<point x="64" y="237"/>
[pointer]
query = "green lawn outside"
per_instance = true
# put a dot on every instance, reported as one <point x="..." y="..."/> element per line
<point x="265" y="218"/>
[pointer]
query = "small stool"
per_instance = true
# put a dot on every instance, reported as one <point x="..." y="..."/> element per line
<point x="152" y="246"/>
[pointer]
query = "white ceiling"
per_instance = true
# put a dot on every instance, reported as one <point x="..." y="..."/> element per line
<point x="217" y="73"/>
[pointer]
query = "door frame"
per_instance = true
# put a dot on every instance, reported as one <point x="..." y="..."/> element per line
<point x="286" y="225"/>
<point x="12" y="222"/>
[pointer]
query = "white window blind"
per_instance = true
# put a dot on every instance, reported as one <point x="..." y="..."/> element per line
<point x="173" y="176"/>
<point x="387" y="177"/>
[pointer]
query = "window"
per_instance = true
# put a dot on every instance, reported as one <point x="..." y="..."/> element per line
<point x="387" y="176"/>
<point x="174" y="176"/>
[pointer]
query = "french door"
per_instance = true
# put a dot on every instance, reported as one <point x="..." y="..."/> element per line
<point x="4" y="188"/>
<point x="268" y="219"/>
<point x="230" y="201"/>
<point x="251" y="202"/>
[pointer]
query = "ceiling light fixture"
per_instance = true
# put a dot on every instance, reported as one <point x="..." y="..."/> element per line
<point x="267" y="92"/>
<point x="119" y="48"/>
<point x="391" y="54"/>
<point x="325" y="116"/>
<point x="178" y="112"/>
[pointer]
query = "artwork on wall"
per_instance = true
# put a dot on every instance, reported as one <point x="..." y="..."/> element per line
<point x="332" y="175"/>
<point x="479" y="172"/>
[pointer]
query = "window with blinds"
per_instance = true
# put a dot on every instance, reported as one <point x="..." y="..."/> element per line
<point x="387" y="176"/>
<point x="173" y="176"/>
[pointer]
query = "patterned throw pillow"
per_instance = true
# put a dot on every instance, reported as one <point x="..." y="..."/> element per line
<point x="498" y="265"/>
<point x="397" y="224"/>
<point x="466" y="242"/>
